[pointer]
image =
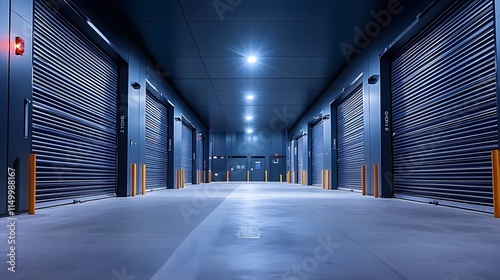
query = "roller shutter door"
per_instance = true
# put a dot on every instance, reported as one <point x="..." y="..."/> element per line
<point x="350" y="140"/>
<point x="200" y="158"/>
<point x="444" y="108"/>
<point x="156" y="143"/>
<point x="317" y="149"/>
<point x="187" y="153"/>
<point x="300" y="158"/>
<point x="74" y="111"/>
<point x="292" y="162"/>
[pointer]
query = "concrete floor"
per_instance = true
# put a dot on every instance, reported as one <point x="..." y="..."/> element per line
<point x="252" y="231"/>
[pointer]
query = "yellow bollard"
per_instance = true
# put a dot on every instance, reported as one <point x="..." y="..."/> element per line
<point x="363" y="180"/>
<point x="265" y="175"/>
<point x="32" y="184"/>
<point x="495" y="158"/>
<point x="281" y="178"/>
<point x="375" y="179"/>
<point x="134" y="179"/>
<point x="227" y="176"/>
<point x="143" y="179"/>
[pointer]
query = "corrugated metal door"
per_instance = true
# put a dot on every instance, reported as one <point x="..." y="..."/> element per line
<point x="187" y="153"/>
<point x="300" y="158"/>
<point x="444" y="107"/>
<point x="156" y="145"/>
<point x="317" y="148"/>
<point x="350" y="140"/>
<point x="293" y="162"/>
<point x="74" y="111"/>
<point x="200" y="157"/>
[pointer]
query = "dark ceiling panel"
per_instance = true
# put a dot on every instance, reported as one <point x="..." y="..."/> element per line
<point x="276" y="67"/>
<point x="204" y="52"/>
<point x="183" y="67"/>
<point x="273" y="38"/>
<point x="167" y="38"/>
<point x="192" y="84"/>
<point x="151" y="10"/>
<point x="270" y="84"/>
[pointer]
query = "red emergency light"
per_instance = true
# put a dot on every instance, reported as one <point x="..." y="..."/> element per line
<point x="19" y="46"/>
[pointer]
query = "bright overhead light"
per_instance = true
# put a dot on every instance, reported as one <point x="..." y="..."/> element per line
<point x="250" y="97"/>
<point x="249" y="131"/>
<point x="252" y="59"/>
<point x="248" y="118"/>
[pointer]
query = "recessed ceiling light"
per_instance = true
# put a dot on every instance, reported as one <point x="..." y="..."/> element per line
<point x="252" y="59"/>
<point x="250" y="97"/>
<point x="248" y="118"/>
<point x="249" y="131"/>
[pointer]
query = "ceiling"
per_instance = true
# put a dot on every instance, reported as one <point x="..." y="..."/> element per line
<point x="205" y="50"/>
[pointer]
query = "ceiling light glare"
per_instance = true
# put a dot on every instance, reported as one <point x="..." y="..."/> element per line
<point x="250" y="97"/>
<point x="251" y="59"/>
<point x="249" y="131"/>
<point x="248" y="118"/>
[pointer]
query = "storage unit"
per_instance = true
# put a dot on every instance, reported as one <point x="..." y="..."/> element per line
<point x="74" y="111"/>
<point x="187" y="155"/>
<point x="317" y="152"/>
<point x="350" y="140"/>
<point x="156" y="144"/>
<point x="444" y="108"/>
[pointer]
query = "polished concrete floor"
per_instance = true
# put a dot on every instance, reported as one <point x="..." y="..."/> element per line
<point x="252" y="231"/>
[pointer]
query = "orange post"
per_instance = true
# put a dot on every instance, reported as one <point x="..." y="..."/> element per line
<point x="134" y="179"/>
<point x="32" y="184"/>
<point x="363" y="180"/>
<point x="209" y="177"/>
<point x="375" y="180"/>
<point x="495" y="158"/>
<point x="183" y="178"/>
<point x="327" y="185"/>
<point x="227" y="176"/>
<point x="143" y="179"/>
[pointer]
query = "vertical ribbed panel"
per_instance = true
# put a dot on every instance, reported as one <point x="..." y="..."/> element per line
<point x="444" y="107"/>
<point x="293" y="162"/>
<point x="200" y="156"/>
<point x="300" y="158"/>
<point x="318" y="144"/>
<point x="187" y="153"/>
<point x="74" y="111"/>
<point x="156" y="145"/>
<point x="350" y="140"/>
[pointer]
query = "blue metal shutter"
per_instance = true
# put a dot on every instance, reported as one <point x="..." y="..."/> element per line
<point x="300" y="158"/>
<point x="318" y="143"/>
<point x="444" y="107"/>
<point x="293" y="162"/>
<point x="200" y="157"/>
<point x="350" y="140"/>
<point x="74" y="111"/>
<point x="187" y="153"/>
<point x="156" y="145"/>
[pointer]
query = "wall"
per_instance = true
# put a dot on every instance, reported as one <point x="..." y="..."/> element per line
<point x="368" y="63"/>
<point x="265" y="143"/>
